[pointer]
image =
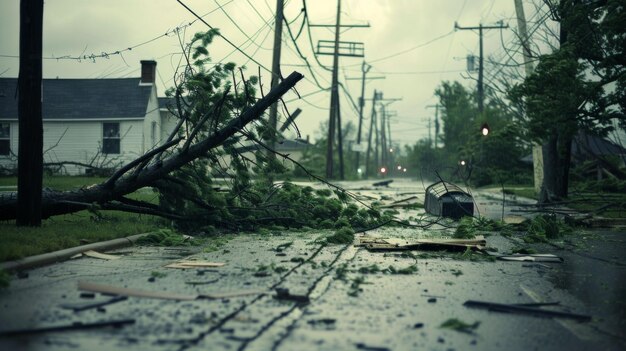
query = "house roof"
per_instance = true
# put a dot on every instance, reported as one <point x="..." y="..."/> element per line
<point x="82" y="98"/>
<point x="584" y="144"/>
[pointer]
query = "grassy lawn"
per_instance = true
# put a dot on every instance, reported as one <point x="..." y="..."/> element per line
<point x="60" y="232"/>
<point x="57" y="182"/>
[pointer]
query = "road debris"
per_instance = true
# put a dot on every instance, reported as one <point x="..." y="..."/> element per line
<point x="194" y="264"/>
<point x="77" y="307"/>
<point x="393" y="244"/>
<point x="445" y="199"/>
<point x="531" y="258"/>
<point x="66" y="327"/>
<point x="526" y="309"/>
<point x="459" y="325"/>
<point x="285" y="295"/>
<point x="383" y="183"/>
<point x="409" y="201"/>
<point x="362" y="346"/>
<point x="102" y="256"/>
<point x="113" y="290"/>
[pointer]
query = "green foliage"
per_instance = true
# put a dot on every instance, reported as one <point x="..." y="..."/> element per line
<point x="473" y="256"/>
<point x="459" y="325"/>
<point x="355" y="286"/>
<point x="210" y="97"/>
<point x="465" y="229"/>
<point x="372" y="269"/>
<point x="487" y="160"/>
<point x="469" y="226"/>
<point x="164" y="237"/>
<point x="5" y="279"/>
<point x="406" y="270"/>
<point x="157" y="274"/>
<point x="343" y="235"/>
<point x="544" y="228"/>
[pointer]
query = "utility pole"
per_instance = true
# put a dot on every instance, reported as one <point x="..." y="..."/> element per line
<point x="369" y="137"/>
<point x="383" y="137"/>
<point x="339" y="48"/>
<point x="430" y="139"/>
<point x="364" y="69"/>
<point x="278" y="33"/>
<point x="528" y="66"/>
<point x="436" y="106"/>
<point x="480" y="28"/>
<point x="334" y="92"/>
<point x="29" y="102"/>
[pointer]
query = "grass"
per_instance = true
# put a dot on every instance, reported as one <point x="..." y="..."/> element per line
<point x="527" y="192"/>
<point x="65" y="231"/>
<point x="57" y="182"/>
<point x="70" y="230"/>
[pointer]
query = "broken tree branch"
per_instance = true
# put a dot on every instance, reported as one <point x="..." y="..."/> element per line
<point x="61" y="202"/>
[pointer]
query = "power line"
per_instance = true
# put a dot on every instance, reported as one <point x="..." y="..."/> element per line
<point x="308" y="27"/>
<point x="423" y="72"/>
<point x="107" y="55"/>
<point x="411" y="49"/>
<point x="306" y="61"/>
<point x="239" y="28"/>
<point x="223" y="37"/>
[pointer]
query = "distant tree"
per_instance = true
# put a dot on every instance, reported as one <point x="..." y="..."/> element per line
<point x="487" y="159"/>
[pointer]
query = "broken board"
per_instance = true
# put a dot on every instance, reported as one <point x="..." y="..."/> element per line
<point x="114" y="290"/>
<point x="393" y="244"/>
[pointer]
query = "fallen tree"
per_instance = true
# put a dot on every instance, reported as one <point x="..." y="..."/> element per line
<point x="148" y="169"/>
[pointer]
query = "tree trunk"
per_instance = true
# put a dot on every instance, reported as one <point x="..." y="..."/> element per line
<point x="548" y="187"/>
<point x="30" y="149"/>
<point x="564" y="157"/>
<point x="124" y="182"/>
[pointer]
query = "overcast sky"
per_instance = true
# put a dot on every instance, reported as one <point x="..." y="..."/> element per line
<point x="410" y="42"/>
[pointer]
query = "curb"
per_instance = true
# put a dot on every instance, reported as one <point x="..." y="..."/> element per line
<point x="62" y="255"/>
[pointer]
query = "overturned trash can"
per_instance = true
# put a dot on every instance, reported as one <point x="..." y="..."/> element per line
<point x="448" y="200"/>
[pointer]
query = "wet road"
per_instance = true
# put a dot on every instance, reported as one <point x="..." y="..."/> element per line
<point x="355" y="300"/>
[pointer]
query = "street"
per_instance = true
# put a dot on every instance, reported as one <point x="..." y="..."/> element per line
<point x="340" y="297"/>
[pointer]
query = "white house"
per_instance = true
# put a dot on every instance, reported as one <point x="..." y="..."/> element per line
<point x="102" y="122"/>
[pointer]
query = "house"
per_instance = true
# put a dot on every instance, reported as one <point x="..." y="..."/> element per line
<point x="591" y="151"/>
<point x="89" y="123"/>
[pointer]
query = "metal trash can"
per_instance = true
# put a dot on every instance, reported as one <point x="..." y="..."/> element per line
<point x="445" y="199"/>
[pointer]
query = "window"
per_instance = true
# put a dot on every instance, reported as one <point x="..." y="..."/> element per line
<point x="5" y="139"/>
<point x="110" y="138"/>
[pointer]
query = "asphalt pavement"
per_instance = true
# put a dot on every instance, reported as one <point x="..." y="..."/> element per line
<point x="304" y="295"/>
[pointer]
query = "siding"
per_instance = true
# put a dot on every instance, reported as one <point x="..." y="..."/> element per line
<point x="81" y="142"/>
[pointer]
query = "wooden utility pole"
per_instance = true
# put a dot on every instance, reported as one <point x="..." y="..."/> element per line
<point x="334" y="94"/>
<point x="276" y="76"/>
<point x="364" y="69"/>
<point x="369" y="136"/>
<point x="29" y="102"/>
<point x="384" y="150"/>
<point x="353" y="49"/>
<point x="436" y="106"/>
<point x="522" y="33"/>
<point x="481" y="95"/>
